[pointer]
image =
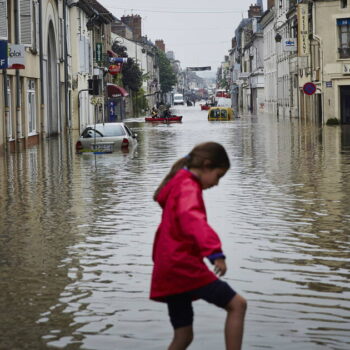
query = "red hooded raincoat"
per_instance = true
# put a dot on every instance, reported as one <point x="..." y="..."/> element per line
<point x="183" y="239"/>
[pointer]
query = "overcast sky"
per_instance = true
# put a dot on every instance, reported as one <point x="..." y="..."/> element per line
<point x="198" y="31"/>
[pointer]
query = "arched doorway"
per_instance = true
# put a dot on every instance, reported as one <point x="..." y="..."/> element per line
<point x="53" y="126"/>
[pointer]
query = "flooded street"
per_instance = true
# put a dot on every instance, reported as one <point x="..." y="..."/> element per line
<point x="77" y="231"/>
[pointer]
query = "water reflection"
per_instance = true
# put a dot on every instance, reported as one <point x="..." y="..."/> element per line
<point x="76" y="235"/>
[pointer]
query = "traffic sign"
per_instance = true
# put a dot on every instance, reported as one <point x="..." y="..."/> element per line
<point x="194" y="69"/>
<point x="3" y="54"/>
<point x="309" y="88"/>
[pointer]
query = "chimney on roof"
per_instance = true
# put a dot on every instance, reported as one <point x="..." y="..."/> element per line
<point x="134" y="22"/>
<point x="160" y="45"/>
<point x="254" y="11"/>
<point x="270" y="4"/>
<point x="233" y="43"/>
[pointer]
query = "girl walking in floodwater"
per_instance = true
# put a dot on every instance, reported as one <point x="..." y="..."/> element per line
<point x="184" y="239"/>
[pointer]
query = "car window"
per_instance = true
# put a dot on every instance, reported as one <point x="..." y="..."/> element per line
<point x="109" y="130"/>
<point x="128" y="130"/>
<point x="90" y="132"/>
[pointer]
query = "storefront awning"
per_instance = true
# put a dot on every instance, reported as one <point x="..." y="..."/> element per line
<point x="114" y="90"/>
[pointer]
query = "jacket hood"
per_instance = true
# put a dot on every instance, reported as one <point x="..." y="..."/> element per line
<point x="180" y="176"/>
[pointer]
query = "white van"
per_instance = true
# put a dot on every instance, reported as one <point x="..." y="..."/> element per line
<point x="179" y="99"/>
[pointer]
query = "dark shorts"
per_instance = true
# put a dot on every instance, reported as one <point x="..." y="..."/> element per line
<point x="180" y="308"/>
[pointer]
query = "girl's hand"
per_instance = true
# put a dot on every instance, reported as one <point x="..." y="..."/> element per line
<point x="220" y="267"/>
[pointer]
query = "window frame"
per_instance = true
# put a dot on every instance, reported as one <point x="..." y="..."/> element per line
<point x="9" y="126"/>
<point x="31" y="107"/>
<point x="343" y="29"/>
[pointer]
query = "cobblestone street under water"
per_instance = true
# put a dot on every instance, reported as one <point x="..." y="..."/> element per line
<point x="77" y="231"/>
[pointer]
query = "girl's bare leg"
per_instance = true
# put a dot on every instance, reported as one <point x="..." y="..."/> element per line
<point x="182" y="338"/>
<point x="236" y="309"/>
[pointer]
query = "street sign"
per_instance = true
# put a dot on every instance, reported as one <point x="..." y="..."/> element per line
<point x="3" y="54"/>
<point x="290" y="45"/>
<point x="16" y="59"/>
<point x="98" y="52"/>
<point x="309" y="88"/>
<point x="199" y="68"/>
<point x="118" y="59"/>
<point x="329" y="84"/>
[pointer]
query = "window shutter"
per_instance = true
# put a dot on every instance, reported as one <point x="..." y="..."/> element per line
<point x="3" y="19"/>
<point x="81" y="54"/>
<point x="26" y="21"/>
<point x="35" y="28"/>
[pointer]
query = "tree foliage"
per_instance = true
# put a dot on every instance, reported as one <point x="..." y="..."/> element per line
<point x="131" y="72"/>
<point x="167" y="75"/>
<point x="132" y="75"/>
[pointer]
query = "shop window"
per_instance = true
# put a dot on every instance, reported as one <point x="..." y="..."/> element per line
<point x="31" y="106"/>
<point x="344" y="37"/>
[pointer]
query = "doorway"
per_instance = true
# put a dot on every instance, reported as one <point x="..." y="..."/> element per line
<point x="52" y="84"/>
<point x="345" y="104"/>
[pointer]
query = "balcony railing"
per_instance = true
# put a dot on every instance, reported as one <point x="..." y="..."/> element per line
<point x="344" y="52"/>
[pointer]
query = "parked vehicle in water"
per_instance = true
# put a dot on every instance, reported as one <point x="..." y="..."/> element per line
<point x="222" y="93"/>
<point x="223" y="102"/>
<point x="220" y="113"/>
<point x="170" y="119"/>
<point x="105" y="138"/>
<point x="179" y="99"/>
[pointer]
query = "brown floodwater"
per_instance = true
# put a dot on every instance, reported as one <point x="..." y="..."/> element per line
<point x="76" y="236"/>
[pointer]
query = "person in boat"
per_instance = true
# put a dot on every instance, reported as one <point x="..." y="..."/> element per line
<point x="184" y="239"/>
<point x="154" y="112"/>
<point x="167" y="113"/>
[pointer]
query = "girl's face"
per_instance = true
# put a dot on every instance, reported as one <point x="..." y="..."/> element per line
<point x="210" y="177"/>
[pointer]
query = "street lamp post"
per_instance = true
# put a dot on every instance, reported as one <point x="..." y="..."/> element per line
<point x="278" y="39"/>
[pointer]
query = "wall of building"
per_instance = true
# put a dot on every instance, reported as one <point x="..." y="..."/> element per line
<point x="325" y="22"/>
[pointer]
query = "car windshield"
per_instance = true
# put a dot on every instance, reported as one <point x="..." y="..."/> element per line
<point x="223" y="114"/>
<point x="106" y="130"/>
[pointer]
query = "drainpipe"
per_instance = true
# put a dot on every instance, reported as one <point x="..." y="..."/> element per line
<point x="7" y="108"/>
<point x="66" y="95"/>
<point x="18" y="80"/>
<point x="41" y="66"/>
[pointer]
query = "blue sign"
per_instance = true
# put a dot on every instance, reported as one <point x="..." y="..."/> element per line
<point x="3" y="54"/>
<point x="118" y="60"/>
<point x="112" y="115"/>
<point x="343" y="21"/>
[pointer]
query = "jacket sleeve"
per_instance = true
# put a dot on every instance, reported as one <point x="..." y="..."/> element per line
<point x="193" y="222"/>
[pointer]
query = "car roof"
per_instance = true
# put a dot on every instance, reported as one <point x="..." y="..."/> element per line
<point x="103" y="124"/>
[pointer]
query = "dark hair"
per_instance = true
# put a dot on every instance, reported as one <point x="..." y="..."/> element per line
<point x="210" y="155"/>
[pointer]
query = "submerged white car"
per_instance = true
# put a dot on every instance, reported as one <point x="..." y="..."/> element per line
<point x="105" y="138"/>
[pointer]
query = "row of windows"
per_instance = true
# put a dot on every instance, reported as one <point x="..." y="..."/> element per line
<point x="343" y="25"/>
